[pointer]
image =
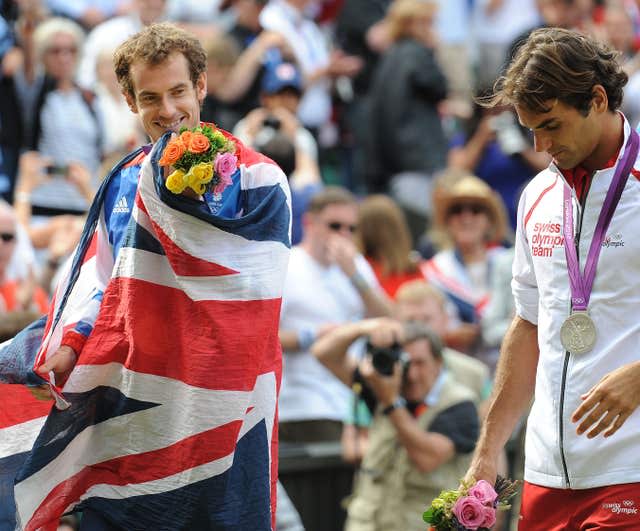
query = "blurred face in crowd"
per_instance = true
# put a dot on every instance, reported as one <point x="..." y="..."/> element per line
<point x="60" y="56"/>
<point x="619" y="28"/>
<point x="468" y="223"/>
<point x="288" y="99"/>
<point x="7" y="237"/>
<point x="422" y="372"/>
<point x="164" y="96"/>
<point x="337" y="220"/>
<point x="428" y="311"/>
<point x="150" y="11"/>
<point x="558" y="13"/>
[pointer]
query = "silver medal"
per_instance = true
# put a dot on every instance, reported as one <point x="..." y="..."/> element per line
<point x="578" y="333"/>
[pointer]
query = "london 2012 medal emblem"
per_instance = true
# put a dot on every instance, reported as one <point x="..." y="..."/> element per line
<point x="578" y="333"/>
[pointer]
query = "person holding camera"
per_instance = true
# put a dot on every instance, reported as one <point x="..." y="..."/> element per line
<point x="494" y="147"/>
<point x="425" y="423"/>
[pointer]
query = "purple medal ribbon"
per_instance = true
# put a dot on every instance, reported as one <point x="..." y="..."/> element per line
<point x="581" y="285"/>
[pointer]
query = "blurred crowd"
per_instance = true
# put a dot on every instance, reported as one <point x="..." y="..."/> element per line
<point x="404" y="188"/>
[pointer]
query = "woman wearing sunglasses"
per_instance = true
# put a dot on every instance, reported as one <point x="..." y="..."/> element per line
<point x="471" y="218"/>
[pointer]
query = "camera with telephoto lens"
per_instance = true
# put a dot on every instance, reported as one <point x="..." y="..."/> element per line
<point x="384" y="358"/>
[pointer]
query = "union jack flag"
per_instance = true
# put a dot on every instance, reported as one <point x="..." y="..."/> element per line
<point x="168" y="420"/>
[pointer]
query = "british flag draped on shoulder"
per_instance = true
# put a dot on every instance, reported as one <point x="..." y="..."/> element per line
<point x="168" y="420"/>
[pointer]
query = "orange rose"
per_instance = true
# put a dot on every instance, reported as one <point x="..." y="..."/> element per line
<point x="185" y="136"/>
<point x="172" y="152"/>
<point x="199" y="143"/>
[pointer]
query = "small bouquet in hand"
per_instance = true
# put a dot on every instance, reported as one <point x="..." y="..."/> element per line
<point x="471" y="507"/>
<point x="203" y="159"/>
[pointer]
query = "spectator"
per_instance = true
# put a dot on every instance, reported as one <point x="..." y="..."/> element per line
<point x="280" y="148"/>
<point x="407" y="88"/>
<point x="495" y="24"/>
<point x="385" y="241"/>
<point x="328" y="283"/>
<point x="473" y="218"/>
<point x="245" y="34"/>
<point x="88" y="13"/>
<point x="356" y="28"/>
<point x="121" y="130"/>
<point x="424" y="423"/>
<point x="496" y="148"/>
<point x="420" y="301"/>
<point x="110" y="33"/>
<point x="280" y="97"/>
<point x="16" y="295"/>
<point x="318" y="63"/>
<point x="67" y="129"/>
<point x="235" y="74"/>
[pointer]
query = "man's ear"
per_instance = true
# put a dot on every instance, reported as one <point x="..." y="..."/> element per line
<point x="131" y="102"/>
<point x="201" y="87"/>
<point x="599" y="100"/>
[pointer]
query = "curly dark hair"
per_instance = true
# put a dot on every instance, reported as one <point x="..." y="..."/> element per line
<point x="558" y="64"/>
<point x="152" y="46"/>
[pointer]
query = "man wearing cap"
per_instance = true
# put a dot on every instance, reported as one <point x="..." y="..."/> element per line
<point x="574" y="341"/>
<point x="280" y="93"/>
<point x="328" y="283"/>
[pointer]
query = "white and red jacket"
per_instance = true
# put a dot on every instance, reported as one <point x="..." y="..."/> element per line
<point x="554" y="455"/>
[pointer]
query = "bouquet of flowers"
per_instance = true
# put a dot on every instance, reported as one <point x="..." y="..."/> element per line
<point x="203" y="159"/>
<point x="471" y="507"/>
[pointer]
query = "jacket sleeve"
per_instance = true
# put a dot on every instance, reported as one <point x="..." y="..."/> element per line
<point x="524" y="284"/>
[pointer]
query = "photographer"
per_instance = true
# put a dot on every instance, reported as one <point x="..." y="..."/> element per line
<point x="424" y="422"/>
<point x="280" y="94"/>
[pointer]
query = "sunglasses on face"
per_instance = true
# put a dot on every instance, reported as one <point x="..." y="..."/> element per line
<point x="474" y="208"/>
<point x="336" y="226"/>
<point x="7" y="237"/>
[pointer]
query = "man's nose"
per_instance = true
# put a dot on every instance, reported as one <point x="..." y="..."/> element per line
<point x="167" y="107"/>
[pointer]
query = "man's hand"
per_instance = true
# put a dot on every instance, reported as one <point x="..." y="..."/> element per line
<point x="610" y="402"/>
<point x="342" y="252"/>
<point x="482" y="468"/>
<point x="61" y="363"/>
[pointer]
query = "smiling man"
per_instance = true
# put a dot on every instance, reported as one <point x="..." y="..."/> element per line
<point x="165" y="390"/>
<point x="574" y="340"/>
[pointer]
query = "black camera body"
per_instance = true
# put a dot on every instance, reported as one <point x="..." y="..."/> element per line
<point x="383" y="359"/>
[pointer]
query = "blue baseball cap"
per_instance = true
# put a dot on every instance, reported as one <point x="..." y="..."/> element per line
<point x="280" y="76"/>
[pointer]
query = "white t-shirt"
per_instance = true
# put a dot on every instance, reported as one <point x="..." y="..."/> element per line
<point x="313" y="296"/>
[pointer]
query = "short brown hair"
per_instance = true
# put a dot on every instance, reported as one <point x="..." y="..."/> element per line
<point x="153" y="45"/>
<point x="563" y="65"/>
<point x="331" y="195"/>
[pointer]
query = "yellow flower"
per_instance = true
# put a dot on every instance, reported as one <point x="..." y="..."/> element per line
<point x="198" y="176"/>
<point x="176" y="182"/>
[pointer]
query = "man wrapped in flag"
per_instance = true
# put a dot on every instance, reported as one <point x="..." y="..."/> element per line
<point x="161" y="346"/>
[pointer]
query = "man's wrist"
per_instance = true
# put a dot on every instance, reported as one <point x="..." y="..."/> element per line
<point x="306" y="337"/>
<point x="397" y="403"/>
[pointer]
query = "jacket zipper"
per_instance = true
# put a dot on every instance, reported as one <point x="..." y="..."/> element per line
<point x="567" y="353"/>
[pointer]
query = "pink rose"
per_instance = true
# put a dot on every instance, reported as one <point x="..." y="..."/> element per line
<point x="489" y="517"/>
<point x="223" y="182"/>
<point x="225" y="165"/>
<point x="470" y="512"/>
<point x="484" y="492"/>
